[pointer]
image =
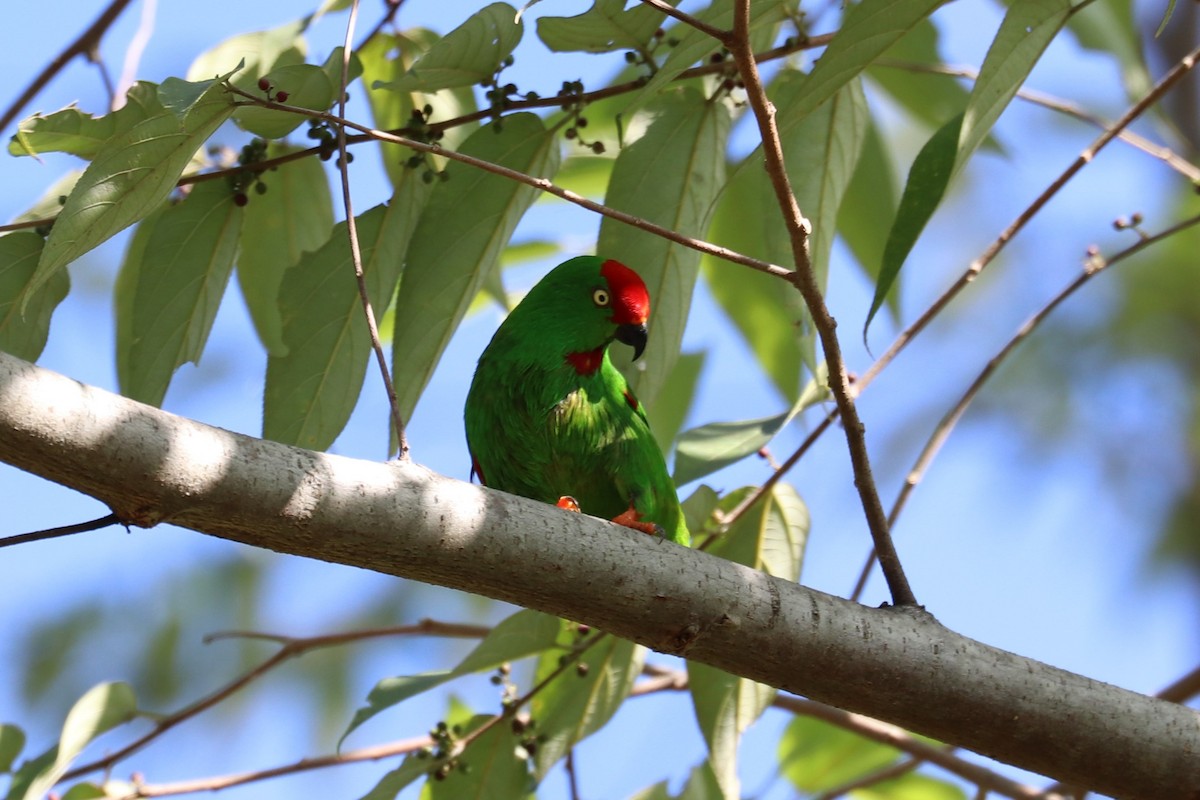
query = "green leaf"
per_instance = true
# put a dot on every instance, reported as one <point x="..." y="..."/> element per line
<point x="667" y="414"/>
<point x="492" y="767"/>
<point x="85" y="791"/>
<point x="821" y="153"/>
<point x="179" y="277"/>
<point x="387" y="57"/>
<point x="132" y="174"/>
<point x="927" y="181"/>
<point x="102" y="708"/>
<point x="656" y="792"/>
<point x="911" y="786"/>
<point x="467" y="55"/>
<point x="694" y="46"/>
<point x="699" y="507"/>
<point x="927" y="96"/>
<point x="257" y="52"/>
<point x="1109" y="27"/>
<point x="306" y="85"/>
<point x="392" y="783"/>
<point x="585" y="175"/>
<point x="702" y="784"/>
<point x="670" y="176"/>
<point x="868" y="29"/>
<point x="708" y="448"/>
<point x="1027" y="29"/>
<point x="73" y="131"/>
<point x="463" y="229"/>
<point x="603" y="28"/>
<point x="519" y="636"/>
<point x="24" y="335"/>
<point x="311" y="391"/>
<point x="725" y="706"/>
<point x="12" y="742"/>
<point x="293" y="217"/>
<point x="870" y="197"/>
<point x="576" y="705"/>
<point x="816" y="756"/>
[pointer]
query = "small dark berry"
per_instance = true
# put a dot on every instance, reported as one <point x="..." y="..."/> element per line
<point x="240" y="199"/>
<point x="264" y="84"/>
<point x="597" y="147"/>
<point x="282" y="97"/>
<point x="630" y="57"/>
<point x="581" y="670"/>
<point x="581" y="122"/>
<point x="260" y="187"/>
<point x="570" y="133"/>
<point x="510" y="88"/>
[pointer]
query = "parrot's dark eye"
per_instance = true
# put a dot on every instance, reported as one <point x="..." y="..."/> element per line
<point x="600" y="297"/>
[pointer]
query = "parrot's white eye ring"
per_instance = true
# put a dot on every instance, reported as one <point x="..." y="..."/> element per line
<point x="600" y="297"/>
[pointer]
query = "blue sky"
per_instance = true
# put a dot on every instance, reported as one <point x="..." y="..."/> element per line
<point x="1024" y="548"/>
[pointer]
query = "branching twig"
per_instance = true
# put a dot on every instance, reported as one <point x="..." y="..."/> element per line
<point x="688" y="19"/>
<point x="1092" y="267"/>
<point x="291" y="648"/>
<point x="805" y="281"/>
<point x="87" y="41"/>
<point x="1172" y="77"/>
<point x="356" y="251"/>
<point x="541" y="184"/>
<point x="65" y="530"/>
<point x="1165" y="154"/>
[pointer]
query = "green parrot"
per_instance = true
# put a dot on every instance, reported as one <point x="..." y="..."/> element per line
<point x="549" y="417"/>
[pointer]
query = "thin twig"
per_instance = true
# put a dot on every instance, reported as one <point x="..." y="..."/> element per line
<point x="941" y="432"/>
<point x="688" y="19"/>
<point x="515" y="105"/>
<point x="805" y="281"/>
<point x="86" y="41"/>
<point x="65" y="530"/>
<point x="1168" y="80"/>
<point x="1183" y="689"/>
<point x="1172" y="77"/>
<point x="1165" y="154"/>
<point x="402" y="747"/>
<point x="291" y="648"/>
<point x="572" y="779"/>
<point x="356" y="251"/>
<point x="541" y="184"/>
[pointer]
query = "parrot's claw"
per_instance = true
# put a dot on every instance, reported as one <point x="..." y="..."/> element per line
<point x="629" y="518"/>
<point x="568" y="503"/>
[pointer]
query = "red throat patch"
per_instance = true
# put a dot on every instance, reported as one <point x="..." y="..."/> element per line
<point x="630" y="300"/>
<point x="588" y="362"/>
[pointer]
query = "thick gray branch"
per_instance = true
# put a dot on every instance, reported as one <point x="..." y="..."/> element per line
<point x="401" y="519"/>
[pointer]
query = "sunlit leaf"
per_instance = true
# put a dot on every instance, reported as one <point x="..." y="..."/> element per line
<point x="815" y="755"/>
<point x="181" y="274"/>
<point x="725" y="706"/>
<point x="694" y="46"/>
<point x="133" y="173"/>
<point x="392" y="783"/>
<point x="867" y="31"/>
<point x="490" y="768"/>
<point x="927" y="181"/>
<point x="927" y="96"/>
<point x="521" y="635"/>
<point x="870" y="197"/>
<point x="467" y="55"/>
<point x="103" y="707"/>
<point x="821" y="153"/>
<point x="387" y="57"/>
<point x="603" y="28"/>
<point x="257" y="52"/>
<point x="708" y="448"/>
<point x="12" y="742"/>
<point x="311" y="390"/>
<point x="305" y="86"/>
<point x="78" y="133"/>
<point x="294" y="216"/>
<point x="670" y="176"/>
<point x="85" y="791"/>
<point x="581" y="700"/>
<point x="24" y="335"/>
<point x="911" y="786"/>
<point x="463" y="229"/>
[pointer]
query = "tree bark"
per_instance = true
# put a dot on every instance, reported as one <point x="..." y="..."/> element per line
<point x="897" y="665"/>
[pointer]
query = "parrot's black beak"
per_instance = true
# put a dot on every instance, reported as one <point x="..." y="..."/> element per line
<point x="634" y="336"/>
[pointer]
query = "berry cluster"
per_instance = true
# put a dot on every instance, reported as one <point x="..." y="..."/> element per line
<point x="269" y="90"/>
<point x="249" y="175"/>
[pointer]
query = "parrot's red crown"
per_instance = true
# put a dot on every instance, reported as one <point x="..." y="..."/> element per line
<point x="630" y="300"/>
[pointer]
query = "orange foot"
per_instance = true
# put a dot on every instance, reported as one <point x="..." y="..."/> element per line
<point x="629" y="518"/>
<point x="568" y="503"/>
